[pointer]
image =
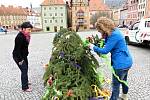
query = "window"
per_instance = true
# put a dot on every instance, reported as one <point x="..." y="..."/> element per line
<point x="55" y="21"/>
<point x="138" y="14"/>
<point x="80" y="14"/>
<point x="61" y="14"/>
<point x="144" y="5"/>
<point x="49" y="8"/>
<point x="61" y="27"/>
<point x="44" y="8"/>
<point x="62" y="21"/>
<point x="45" y="21"/>
<point x="44" y="14"/>
<point x="135" y="26"/>
<point x="55" y="8"/>
<point x="141" y="6"/>
<point x="50" y="14"/>
<point x="55" y="14"/>
<point x="61" y="7"/>
<point x="143" y="13"/>
<point x="147" y="24"/>
<point x="50" y="21"/>
<point x="75" y="8"/>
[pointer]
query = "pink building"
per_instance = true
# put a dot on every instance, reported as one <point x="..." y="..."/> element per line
<point x="132" y="11"/>
<point x="147" y="8"/>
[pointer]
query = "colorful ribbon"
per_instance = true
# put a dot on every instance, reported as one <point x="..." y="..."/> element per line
<point x="97" y="91"/>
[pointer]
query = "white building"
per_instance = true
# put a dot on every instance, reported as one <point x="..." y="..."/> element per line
<point x="34" y="18"/>
<point x="54" y="15"/>
<point x="124" y="14"/>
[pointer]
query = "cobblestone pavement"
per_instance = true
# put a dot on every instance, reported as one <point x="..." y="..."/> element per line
<point x="40" y="51"/>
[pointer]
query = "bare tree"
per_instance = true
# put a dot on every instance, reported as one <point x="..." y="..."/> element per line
<point x="97" y="15"/>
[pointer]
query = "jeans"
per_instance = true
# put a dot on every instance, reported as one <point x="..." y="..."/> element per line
<point x="122" y="74"/>
<point x="24" y="72"/>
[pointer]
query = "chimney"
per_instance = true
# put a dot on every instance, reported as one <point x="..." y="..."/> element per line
<point x="19" y="6"/>
<point x="2" y="6"/>
<point x="10" y="6"/>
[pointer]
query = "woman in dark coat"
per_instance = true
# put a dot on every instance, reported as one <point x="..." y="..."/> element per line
<point x="20" y="53"/>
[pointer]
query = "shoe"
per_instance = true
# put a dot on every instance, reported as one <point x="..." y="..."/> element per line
<point x="29" y="83"/>
<point x="27" y="90"/>
<point x="124" y="97"/>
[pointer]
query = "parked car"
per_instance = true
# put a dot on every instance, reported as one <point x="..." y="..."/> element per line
<point x="2" y="30"/>
<point x="124" y="29"/>
<point x="139" y="32"/>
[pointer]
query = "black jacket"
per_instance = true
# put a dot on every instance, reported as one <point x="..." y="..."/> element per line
<point x="20" y="51"/>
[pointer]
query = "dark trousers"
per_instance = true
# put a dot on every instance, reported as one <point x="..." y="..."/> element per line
<point x="24" y="72"/>
<point x="122" y="73"/>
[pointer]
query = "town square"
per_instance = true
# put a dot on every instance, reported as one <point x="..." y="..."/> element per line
<point x="67" y="59"/>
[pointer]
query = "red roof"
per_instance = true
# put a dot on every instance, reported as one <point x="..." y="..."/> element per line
<point x="51" y="2"/>
<point x="2" y="10"/>
<point x="96" y="5"/>
<point x="10" y="10"/>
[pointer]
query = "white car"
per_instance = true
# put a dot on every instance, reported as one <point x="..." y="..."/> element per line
<point x="139" y="32"/>
<point x="124" y="29"/>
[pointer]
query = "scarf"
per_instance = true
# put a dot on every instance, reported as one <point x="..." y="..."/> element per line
<point x="27" y="35"/>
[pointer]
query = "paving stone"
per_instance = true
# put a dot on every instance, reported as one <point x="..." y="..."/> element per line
<point x="39" y="55"/>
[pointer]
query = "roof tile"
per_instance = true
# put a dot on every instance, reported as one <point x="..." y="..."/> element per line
<point x="10" y="10"/>
<point x="51" y="2"/>
<point x="97" y="5"/>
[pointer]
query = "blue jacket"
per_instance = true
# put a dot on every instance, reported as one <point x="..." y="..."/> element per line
<point x="116" y="45"/>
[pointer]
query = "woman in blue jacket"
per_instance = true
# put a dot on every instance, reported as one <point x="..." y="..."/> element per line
<point x="121" y="59"/>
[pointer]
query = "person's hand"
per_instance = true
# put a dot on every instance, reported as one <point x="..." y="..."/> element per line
<point x="92" y="52"/>
<point x="21" y="62"/>
<point x="91" y="46"/>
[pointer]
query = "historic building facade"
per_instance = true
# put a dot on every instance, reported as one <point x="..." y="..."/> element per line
<point x="132" y="11"/>
<point x="98" y="8"/>
<point x="80" y="14"/>
<point x="11" y="16"/>
<point x="54" y="15"/>
<point x="148" y="8"/>
<point x="34" y="17"/>
<point x="124" y="14"/>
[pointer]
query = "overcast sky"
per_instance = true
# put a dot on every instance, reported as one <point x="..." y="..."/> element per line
<point x="24" y="3"/>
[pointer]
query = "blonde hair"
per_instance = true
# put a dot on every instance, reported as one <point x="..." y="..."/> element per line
<point x="105" y="25"/>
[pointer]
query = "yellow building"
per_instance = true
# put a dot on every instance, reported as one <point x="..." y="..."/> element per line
<point x="11" y="16"/>
<point x="80" y="14"/>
